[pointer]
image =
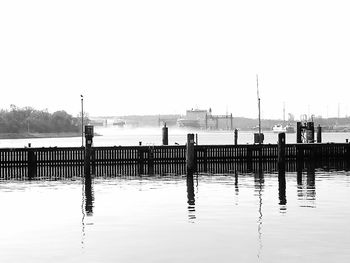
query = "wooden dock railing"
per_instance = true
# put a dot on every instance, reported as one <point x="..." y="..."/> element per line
<point x="66" y="162"/>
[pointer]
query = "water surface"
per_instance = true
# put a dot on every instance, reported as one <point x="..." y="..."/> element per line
<point x="220" y="218"/>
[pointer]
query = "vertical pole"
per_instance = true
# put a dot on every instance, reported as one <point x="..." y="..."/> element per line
<point x="281" y="151"/>
<point x="190" y="154"/>
<point x="89" y="133"/>
<point x="82" y="120"/>
<point x="231" y="122"/>
<point x="196" y="138"/>
<point x="236" y="136"/>
<point x="319" y="134"/>
<point x="165" y="134"/>
<point x="310" y="132"/>
<point x="299" y="132"/>
<point x="281" y="168"/>
<point x="32" y="165"/>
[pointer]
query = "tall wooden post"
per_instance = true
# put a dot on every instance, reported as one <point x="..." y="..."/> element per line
<point x="190" y="154"/>
<point x="299" y="132"/>
<point x="281" y="151"/>
<point x="319" y="134"/>
<point x="165" y="134"/>
<point x="236" y="136"/>
<point x="310" y="132"/>
<point x="32" y="165"/>
<point x="281" y="169"/>
<point x="89" y="134"/>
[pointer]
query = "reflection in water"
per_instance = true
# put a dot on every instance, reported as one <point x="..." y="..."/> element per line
<point x="282" y="190"/>
<point x="307" y="190"/>
<point x="236" y="187"/>
<point x="259" y="188"/>
<point x="191" y="198"/>
<point x="87" y="203"/>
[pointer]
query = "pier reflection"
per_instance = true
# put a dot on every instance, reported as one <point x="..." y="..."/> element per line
<point x="191" y="197"/>
<point x="307" y="188"/>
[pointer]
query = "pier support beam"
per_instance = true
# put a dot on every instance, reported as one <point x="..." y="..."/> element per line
<point x="310" y="132"/>
<point x="319" y="134"/>
<point x="165" y="135"/>
<point x="281" y="151"/>
<point x="89" y="134"/>
<point x="281" y="169"/>
<point x="32" y="165"/>
<point x="190" y="154"/>
<point x="299" y="132"/>
<point x="236" y="136"/>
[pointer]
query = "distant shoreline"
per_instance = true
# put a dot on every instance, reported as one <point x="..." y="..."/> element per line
<point x="39" y="135"/>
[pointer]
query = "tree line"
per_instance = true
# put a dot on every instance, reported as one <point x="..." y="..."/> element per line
<point x="30" y="120"/>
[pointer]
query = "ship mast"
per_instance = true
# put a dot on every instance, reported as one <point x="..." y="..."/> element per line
<point x="257" y="89"/>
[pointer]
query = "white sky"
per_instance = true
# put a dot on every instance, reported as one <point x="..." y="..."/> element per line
<point x="151" y="57"/>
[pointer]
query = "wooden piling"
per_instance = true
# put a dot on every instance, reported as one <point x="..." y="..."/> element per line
<point x="89" y="134"/>
<point x="310" y="132"/>
<point x="32" y="164"/>
<point x="165" y="134"/>
<point x="281" y="151"/>
<point x="319" y="134"/>
<point x="190" y="154"/>
<point x="236" y="136"/>
<point x="281" y="169"/>
<point x="299" y="132"/>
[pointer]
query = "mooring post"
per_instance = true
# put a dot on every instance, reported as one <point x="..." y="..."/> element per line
<point x="299" y="132"/>
<point x="89" y="134"/>
<point x="299" y="162"/>
<point x="281" y="168"/>
<point x="236" y="136"/>
<point x="319" y="134"/>
<point x="196" y="138"/>
<point x="32" y="165"/>
<point x="165" y="134"/>
<point x="190" y="154"/>
<point x="150" y="161"/>
<point x="140" y="153"/>
<point x="281" y="151"/>
<point x="310" y="133"/>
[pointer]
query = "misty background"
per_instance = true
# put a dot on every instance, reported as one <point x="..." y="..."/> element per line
<point x="163" y="57"/>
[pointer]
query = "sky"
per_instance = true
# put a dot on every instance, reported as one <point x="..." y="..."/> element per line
<point x="164" y="57"/>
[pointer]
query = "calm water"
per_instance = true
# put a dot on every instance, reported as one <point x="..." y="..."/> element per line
<point x="167" y="219"/>
<point x="171" y="219"/>
<point x="153" y="136"/>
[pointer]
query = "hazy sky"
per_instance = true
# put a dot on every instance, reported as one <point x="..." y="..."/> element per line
<point x="150" y="57"/>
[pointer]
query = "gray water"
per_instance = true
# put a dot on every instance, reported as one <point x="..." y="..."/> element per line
<point x="157" y="219"/>
<point x="219" y="218"/>
<point x="114" y="136"/>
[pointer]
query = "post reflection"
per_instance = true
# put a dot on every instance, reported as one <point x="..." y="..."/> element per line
<point x="89" y="197"/>
<point x="190" y="197"/>
<point x="87" y="203"/>
<point x="307" y="189"/>
<point x="282" y="190"/>
<point x="259" y="188"/>
<point x="236" y="183"/>
<point x="310" y="185"/>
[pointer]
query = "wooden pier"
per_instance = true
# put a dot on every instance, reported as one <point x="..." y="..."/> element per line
<point x="64" y="162"/>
